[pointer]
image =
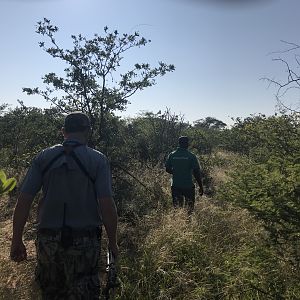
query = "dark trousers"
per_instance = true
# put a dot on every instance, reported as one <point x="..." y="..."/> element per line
<point x="68" y="273"/>
<point x="183" y="197"/>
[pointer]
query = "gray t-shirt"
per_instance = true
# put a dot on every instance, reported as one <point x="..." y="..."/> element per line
<point x="69" y="196"/>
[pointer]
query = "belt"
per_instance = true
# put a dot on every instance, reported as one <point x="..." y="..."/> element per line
<point x="75" y="232"/>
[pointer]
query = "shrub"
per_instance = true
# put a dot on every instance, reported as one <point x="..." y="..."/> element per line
<point x="219" y="253"/>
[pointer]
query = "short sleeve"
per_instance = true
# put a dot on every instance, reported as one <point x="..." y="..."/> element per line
<point x="33" y="179"/>
<point x="103" y="179"/>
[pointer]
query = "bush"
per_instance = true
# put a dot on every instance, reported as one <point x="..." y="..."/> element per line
<point x="220" y="253"/>
<point x="140" y="190"/>
<point x="267" y="181"/>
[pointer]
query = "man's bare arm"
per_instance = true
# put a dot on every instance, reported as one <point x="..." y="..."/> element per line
<point x="110" y="221"/>
<point x="18" y="250"/>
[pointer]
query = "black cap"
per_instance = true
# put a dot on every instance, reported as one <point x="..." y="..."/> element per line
<point x="183" y="141"/>
<point x="76" y="122"/>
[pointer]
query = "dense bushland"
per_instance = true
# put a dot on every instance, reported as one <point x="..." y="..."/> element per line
<point x="242" y="242"/>
<point x="266" y="181"/>
<point x="218" y="253"/>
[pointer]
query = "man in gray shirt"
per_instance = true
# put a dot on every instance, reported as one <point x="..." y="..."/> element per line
<point x="76" y="201"/>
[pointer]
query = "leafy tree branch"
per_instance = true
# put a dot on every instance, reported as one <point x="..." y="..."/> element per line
<point x="92" y="82"/>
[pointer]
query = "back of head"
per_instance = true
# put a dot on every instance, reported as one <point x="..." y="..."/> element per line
<point x="183" y="142"/>
<point x="76" y="122"/>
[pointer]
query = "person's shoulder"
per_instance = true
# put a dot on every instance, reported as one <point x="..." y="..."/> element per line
<point x="172" y="153"/>
<point x="54" y="148"/>
<point x="95" y="154"/>
<point x="93" y="151"/>
<point x="191" y="154"/>
<point x="44" y="156"/>
<point x="50" y="151"/>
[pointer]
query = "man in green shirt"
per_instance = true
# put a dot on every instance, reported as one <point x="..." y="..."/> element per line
<point x="183" y="164"/>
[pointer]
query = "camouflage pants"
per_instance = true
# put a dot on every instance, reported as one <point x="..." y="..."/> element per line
<point x="68" y="273"/>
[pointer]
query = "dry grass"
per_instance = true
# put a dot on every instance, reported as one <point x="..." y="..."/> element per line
<point x="223" y="163"/>
<point x="167" y="255"/>
<point x="220" y="252"/>
<point x="217" y="253"/>
<point x="16" y="279"/>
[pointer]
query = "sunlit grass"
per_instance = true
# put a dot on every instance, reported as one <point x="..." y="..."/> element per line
<point x="217" y="253"/>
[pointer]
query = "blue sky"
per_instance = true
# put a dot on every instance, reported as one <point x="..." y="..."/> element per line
<point x="219" y="48"/>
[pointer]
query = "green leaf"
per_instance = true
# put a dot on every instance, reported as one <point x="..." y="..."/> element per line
<point x="2" y="176"/>
<point x="8" y="186"/>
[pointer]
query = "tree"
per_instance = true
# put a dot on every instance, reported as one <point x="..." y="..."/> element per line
<point x="156" y="134"/>
<point x="3" y="107"/>
<point x="292" y="80"/>
<point x="210" y="123"/>
<point x="267" y="182"/>
<point x="92" y="83"/>
<point x="24" y="131"/>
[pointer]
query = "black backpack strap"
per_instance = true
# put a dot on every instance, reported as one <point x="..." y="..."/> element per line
<point x="68" y="150"/>
<point x="84" y="170"/>
<point x="51" y="162"/>
<point x="81" y="166"/>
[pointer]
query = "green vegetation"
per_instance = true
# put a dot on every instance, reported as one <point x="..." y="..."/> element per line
<point x="267" y="180"/>
<point x="219" y="253"/>
<point x="93" y="81"/>
<point x="242" y="242"/>
<point x="6" y="185"/>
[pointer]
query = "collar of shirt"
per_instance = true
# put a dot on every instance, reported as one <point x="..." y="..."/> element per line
<point x="181" y="149"/>
<point x="72" y="142"/>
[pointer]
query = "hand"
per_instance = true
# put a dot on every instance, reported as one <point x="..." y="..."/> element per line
<point x="18" y="251"/>
<point x="201" y="191"/>
<point x="114" y="249"/>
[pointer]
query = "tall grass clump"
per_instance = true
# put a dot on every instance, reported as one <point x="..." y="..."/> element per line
<point x="16" y="279"/>
<point x="140" y="190"/>
<point x="217" y="253"/>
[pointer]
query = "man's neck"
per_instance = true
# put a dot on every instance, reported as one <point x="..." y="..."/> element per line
<point x="76" y="137"/>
